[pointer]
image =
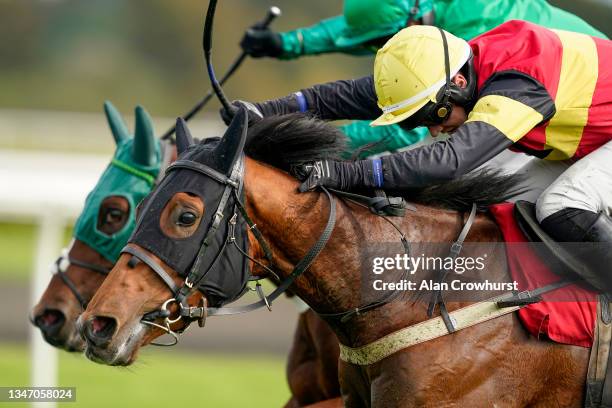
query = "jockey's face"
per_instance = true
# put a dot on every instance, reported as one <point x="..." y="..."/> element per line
<point x="457" y="117"/>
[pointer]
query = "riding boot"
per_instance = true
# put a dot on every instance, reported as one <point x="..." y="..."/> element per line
<point x="600" y="234"/>
<point x="576" y="225"/>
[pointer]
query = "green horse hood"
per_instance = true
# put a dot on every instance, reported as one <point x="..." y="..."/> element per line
<point x="131" y="174"/>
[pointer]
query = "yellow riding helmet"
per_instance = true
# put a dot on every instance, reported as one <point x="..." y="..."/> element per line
<point x="410" y="70"/>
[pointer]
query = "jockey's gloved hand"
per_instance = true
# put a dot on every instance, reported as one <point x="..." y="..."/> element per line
<point x="254" y="114"/>
<point x="343" y="176"/>
<point x="262" y="43"/>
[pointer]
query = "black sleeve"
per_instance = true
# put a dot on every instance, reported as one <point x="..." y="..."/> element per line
<point x="470" y="146"/>
<point x="509" y="105"/>
<point x="345" y="99"/>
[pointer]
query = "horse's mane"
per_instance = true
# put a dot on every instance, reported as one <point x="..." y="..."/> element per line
<point x="288" y="140"/>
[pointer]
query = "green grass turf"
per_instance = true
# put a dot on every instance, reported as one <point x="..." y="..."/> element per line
<point x="160" y="378"/>
<point x="17" y="246"/>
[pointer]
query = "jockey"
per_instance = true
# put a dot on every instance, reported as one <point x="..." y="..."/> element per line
<point x="366" y="25"/>
<point x="544" y="92"/>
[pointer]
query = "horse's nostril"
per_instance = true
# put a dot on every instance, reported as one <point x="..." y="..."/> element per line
<point x="100" y="330"/>
<point x="50" y="321"/>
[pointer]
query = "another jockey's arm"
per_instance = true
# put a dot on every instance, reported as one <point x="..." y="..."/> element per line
<point x="380" y="138"/>
<point x="509" y="106"/>
<point x="345" y="99"/>
<point x="316" y="39"/>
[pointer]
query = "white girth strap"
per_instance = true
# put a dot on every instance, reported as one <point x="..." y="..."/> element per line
<point x="424" y="331"/>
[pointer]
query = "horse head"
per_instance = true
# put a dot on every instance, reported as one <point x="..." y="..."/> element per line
<point x="102" y="229"/>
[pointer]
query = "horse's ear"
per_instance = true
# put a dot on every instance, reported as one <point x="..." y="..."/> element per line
<point x="115" y="122"/>
<point x="143" y="150"/>
<point x="183" y="136"/>
<point x="231" y="146"/>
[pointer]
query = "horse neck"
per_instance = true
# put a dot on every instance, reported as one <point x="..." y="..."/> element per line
<point x="291" y="223"/>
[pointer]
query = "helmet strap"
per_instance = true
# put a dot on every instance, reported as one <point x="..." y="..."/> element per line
<point x="444" y="107"/>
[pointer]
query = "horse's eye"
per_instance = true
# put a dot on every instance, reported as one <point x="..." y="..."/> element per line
<point x="187" y="219"/>
<point x="114" y="215"/>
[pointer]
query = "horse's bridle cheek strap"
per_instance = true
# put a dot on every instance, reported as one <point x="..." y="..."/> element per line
<point x="141" y="256"/>
<point x="60" y="267"/>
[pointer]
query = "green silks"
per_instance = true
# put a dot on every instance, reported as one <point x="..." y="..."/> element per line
<point x="368" y="20"/>
<point x="362" y="21"/>
<point x="470" y="18"/>
<point x="317" y="39"/>
<point x="131" y="175"/>
<point x="467" y="19"/>
<point x="391" y="138"/>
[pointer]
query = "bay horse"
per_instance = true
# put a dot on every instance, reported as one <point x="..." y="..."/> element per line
<point x="495" y="363"/>
<point x="312" y="363"/>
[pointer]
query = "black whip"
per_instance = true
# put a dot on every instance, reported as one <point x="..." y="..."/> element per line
<point x="273" y="13"/>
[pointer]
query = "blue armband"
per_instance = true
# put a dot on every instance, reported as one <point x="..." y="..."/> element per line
<point x="302" y="102"/>
<point x="377" y="172"/>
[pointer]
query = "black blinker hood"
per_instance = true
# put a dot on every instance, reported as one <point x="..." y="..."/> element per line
<point x="223" y="270"/>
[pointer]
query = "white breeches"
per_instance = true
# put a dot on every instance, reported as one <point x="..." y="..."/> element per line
<point x="586" y="185"/>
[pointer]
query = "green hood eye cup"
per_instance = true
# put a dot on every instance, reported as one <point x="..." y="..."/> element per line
<point x="131" y="174"/>
<point x="367" y="20"/>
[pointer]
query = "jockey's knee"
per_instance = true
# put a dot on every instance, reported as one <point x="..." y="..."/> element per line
<point x="569" y="207"/>
<point x="581" y="187"/>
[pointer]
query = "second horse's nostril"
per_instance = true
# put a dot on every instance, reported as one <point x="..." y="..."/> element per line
<point x="50" y="321"/>
<point x="100" y="330"/>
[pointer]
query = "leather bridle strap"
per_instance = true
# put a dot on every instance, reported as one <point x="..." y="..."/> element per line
<point x="205" y="170"/>
<point x="60" y="270"/>
<point x="141" y="256"/>
<point x="73" y="289"/>
<point x="92" y="267"/>
<point x="437" y="298"/>
<point x="253" y="228"/>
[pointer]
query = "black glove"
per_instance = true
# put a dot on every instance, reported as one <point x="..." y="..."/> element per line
<point x="262" y="43"/>
<point x="254" y="114"/>
<point x="343" y="176"/>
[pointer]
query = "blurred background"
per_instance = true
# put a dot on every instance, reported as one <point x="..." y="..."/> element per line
<point x="59" y="61"/>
